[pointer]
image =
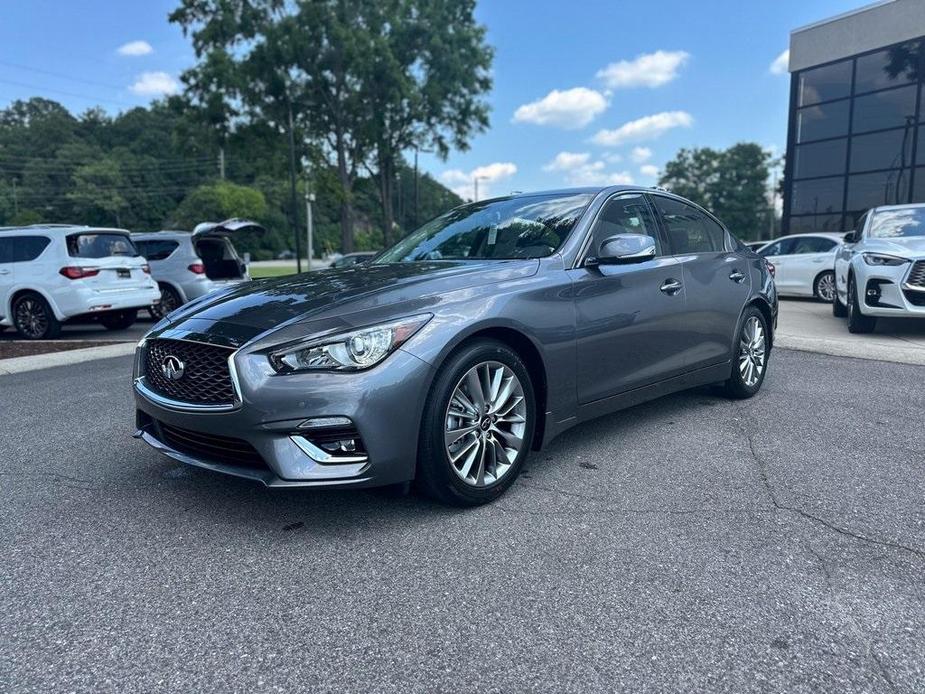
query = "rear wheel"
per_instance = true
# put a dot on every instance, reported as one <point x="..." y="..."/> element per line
<point x="478" y="425"/>
<point x="170" y="300"/>
<point x="119" y="320"/>
<point x="824" y="286"/>
<point x="34" y="319"/>
<point x="857" y="321"/>
<point x="751" y="356"/>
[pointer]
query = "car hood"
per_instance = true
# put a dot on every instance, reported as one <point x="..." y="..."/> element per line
<point x="904" y="246"/>
<point x="265" y="304"/>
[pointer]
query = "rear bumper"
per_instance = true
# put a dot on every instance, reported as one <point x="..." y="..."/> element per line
<point x="69" y="302"/>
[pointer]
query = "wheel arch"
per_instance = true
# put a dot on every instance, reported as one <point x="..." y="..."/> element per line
<point x="184" y="299"/>
<point x="20" y="291"/>
<point x="820" y="274"/>
<point x="762" y="305"/>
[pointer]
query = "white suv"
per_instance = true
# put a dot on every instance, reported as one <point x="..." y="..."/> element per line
<point x="50" y="274"/>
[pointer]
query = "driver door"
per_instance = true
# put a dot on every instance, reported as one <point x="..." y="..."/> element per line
<point x="626" y="315"/>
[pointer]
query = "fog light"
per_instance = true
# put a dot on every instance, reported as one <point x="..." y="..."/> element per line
<point x="342" y="446"/>
<point x="874" y="292"/>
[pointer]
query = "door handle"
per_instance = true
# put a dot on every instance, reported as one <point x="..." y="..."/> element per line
<point x="671" y="287"/>
<point x="736" y="276"/>
<point x="4" y="271"/>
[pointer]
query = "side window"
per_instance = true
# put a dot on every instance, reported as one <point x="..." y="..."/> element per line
<point x="689" y="229"/>
<point x="26" y="248"/>
<point x="813" y="244"/>
<point x="782" y="247"/>
<point x="6" y="250"/>
<point x="626" y="214"/>
<point x="157" y="249"/>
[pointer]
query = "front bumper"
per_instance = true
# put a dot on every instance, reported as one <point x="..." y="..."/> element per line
<point x="893" y="296"/>
<point x="384" y="404"/>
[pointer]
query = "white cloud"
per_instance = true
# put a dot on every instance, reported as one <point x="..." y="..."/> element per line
<point x="155" y="84"/>
<point x="640" y="155"/>
<point x="645" y="128"/>
<point x="781" y="64"/>
<point x="463" y="183"/>
<point x="646" y="70"/>
<point x="135" y="48"/>
<point x="572" y="108"/>
<point x="581" y="171"/>
<point x="650" y="170"/>
<point x="613" y="158"/>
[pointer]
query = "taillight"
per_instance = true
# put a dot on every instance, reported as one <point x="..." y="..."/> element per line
<point x="197" y="268"/>
<point x="146" y="269"/>
<point x="771" y="268"/>
<point x="73" y="272"/>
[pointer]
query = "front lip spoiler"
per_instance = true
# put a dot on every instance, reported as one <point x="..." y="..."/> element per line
<point x="267" y="477"/>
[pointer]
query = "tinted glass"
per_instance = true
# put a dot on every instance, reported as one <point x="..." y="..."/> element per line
<point x="891" y="224"/>
<point x="628" y="214"/>
<point x="920" y="149"/>
<point x="854" y="220"/>
<point x="100" y="245"/>
<point x="26" y="248"/>
<point x="823" y="195"/>
<point x="918" y="191"/>
<point x="782" y="247"/>
<point x="820" y="159"/>
<point x="156" y="249"/>
<point x="813" y="244"/>
<point x="522" y="227"/>
<point x="818" y="122"/>
<point x="890" y="109"/>
<point x="889" y="68"/>
<point x="892" y="149"/>
<point x="825" y="83"/>
<point x="818" y="222"/>
<point x="689" y="229"/>
<point x="6" y="250"/>
<point x="882" y="188"/>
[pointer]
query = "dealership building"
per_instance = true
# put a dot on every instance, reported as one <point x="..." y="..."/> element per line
<point x="856" y="134"/>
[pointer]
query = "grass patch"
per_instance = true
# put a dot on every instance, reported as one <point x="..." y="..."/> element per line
<point x="271" y="271"/>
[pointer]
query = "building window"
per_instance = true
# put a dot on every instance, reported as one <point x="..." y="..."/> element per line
<point x="819" y="222"/>
<point x="886" y="150"/>
<point x="825" y="83"/>
<point x="820" y="158"/>
<point x="820" y="195"/>
<point x="890" y="68"/>
<point x="890" y="109"/>
<point x="881" y="188"/>
<point x="826" y="120"/>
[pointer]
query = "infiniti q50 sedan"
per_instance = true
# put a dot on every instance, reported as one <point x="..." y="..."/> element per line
<point x="472" y="341"/>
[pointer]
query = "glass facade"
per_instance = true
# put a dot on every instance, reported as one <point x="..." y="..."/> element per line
<point x="855" y="139"/>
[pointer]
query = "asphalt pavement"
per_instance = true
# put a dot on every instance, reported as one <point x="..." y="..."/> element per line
<point x="690" y="544"/>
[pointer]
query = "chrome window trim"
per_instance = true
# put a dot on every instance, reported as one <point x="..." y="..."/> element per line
<point x="678" y="198"/>
<point x="589" y="234"/>
<point x="180" y="406"/>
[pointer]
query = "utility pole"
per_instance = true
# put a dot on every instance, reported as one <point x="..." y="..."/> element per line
<point x="475" y="180"/>
<point x="309" y="223"/>
<point x="292" y="196"/>
<point x="15" y="201"/>
<point x="221" y="162"/>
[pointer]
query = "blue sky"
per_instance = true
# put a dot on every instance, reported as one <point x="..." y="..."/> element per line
<point x="585" y="92"/>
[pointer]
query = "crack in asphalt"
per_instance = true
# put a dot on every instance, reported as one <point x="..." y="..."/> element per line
<point x="778" y="504"/>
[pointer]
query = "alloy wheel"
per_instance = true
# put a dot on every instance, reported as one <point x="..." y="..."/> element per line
<point x="752" y="348"/>
<point x="825" y="287"/>
<point x="485" y="423"/>
<point x="168" y="303"/>
<point x="31" y="318"/>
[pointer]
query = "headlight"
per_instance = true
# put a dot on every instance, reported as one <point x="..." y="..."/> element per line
<point x="880" y="259"/>
<point x="353" y="351"/>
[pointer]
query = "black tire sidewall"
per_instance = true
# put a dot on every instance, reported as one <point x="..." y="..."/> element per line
<point x="736" y="386"/>
<point x="435" y="474"/>
<point x="166" y="289"/>
<point x="54" y="326"/>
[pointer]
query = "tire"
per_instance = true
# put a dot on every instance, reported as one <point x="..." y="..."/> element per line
<point x="858" y="323"/>
<point x="34" y="319"/>
<point x="479" y="474"/>
<point x="119" y="320"/>
<point x="752" y="351"/>
<point x="824" y="287"/>
<point x="170" y="300"/>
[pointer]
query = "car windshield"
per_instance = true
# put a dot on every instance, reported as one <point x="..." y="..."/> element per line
<point x="100" y="245"/>
<point x="507" y="228"/>
<point x="891" y="224"/>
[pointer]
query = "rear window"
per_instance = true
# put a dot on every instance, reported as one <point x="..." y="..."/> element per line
<point x="100" y="245"/>
<point x="156" y="249"/>
<point x="22" y="249"/>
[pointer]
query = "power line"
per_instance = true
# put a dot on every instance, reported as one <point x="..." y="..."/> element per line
<point x="66" y="93"/>
<point x="60" y="75"/>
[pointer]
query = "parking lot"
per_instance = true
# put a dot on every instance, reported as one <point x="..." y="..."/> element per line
<point x="776" y="544"/>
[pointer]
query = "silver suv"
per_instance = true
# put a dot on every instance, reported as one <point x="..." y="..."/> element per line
<point x="187" y="265"/>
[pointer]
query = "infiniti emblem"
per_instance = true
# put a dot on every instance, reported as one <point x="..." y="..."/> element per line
<point x="172" y="368"/>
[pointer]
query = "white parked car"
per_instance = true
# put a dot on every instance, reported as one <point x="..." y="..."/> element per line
<point x="804" y="264"/>
<point x="187" y="265"/>
<point x="50" y="274"/>
<point x="880" y="271"/>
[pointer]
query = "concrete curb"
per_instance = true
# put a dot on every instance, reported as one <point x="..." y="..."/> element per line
<point x="18" y="365"/>
<point x="872" y="350"/>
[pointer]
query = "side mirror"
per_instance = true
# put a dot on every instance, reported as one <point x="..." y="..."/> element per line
<point x="624" y="249"/>
<point x="850" y="237"/>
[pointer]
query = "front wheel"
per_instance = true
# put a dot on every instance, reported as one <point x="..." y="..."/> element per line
<point x="119" y="320"/>
<point x="857" y="321"/>
<point x="478" y="425"/>
<point x="824" y="286"/>
<point x="751" y="356"/>
<point x="170" y="300"/>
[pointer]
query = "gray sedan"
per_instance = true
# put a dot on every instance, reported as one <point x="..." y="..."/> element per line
<point x="474" y="340"/>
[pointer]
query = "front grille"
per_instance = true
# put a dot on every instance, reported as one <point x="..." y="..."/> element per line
<point x="206" y="379"/>
<point x="917" y="274"/>
<point x="210" y="447"/>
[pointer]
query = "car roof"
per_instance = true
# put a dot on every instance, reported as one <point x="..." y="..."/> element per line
<point x="835" y="235"/>
<point x="63" y="228"/>
<point x="910" y="206"/>
<point x="162" y="233"/>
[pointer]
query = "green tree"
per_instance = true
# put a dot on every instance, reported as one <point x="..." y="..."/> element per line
<point x="219" y="201"/>
<point x="98" y="189"/>
<point x="731" y="183"/>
